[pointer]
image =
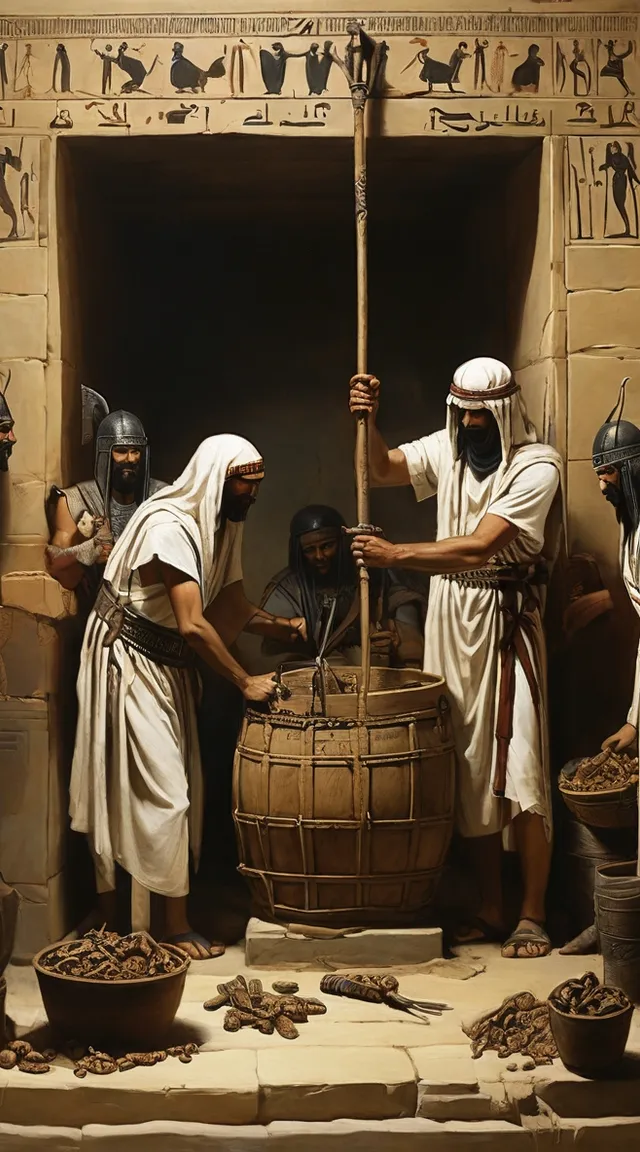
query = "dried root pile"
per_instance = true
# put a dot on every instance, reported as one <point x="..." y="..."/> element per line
<point x="103" y="1063"/>
<point x="104" y="955"/>
<point x="602" y="772"/>
<point x="519" y="1026"/>
<point x="588" y="997"/>
<point x="249" y="1006"/>
<point x="21" y="1055"/>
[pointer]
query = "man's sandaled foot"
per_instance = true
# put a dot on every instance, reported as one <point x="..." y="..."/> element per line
<point x="529" y="941"/>
<point x="584" y="944"/>
<point x="195" y="946"/>
<point x="479" y="931"/>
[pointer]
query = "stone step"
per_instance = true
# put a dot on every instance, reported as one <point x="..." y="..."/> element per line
<point x="464" y="1106"/>
<point x="274" y="946"/>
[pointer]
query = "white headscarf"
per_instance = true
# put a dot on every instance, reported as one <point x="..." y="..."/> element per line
<point x="480" y="378"/>
<point x="194" y="501"/>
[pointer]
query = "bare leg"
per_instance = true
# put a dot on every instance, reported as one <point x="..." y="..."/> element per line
<point x="177" y="924"/>
<point x="107" y="904"/>
<point x="485" y="862"/>
<point x="534" y="850"/>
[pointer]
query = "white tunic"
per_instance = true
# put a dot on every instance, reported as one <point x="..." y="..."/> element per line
<point x="464" y="628"/>
<point x="136" y="781"/>
<point x="138" y="793"/>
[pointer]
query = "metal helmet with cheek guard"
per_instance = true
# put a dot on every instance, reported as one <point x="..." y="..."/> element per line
<point x="617" y="445"/>
<point x="120" y="429"/>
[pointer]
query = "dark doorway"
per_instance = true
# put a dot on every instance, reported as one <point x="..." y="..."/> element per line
<point x="209" y="286"/>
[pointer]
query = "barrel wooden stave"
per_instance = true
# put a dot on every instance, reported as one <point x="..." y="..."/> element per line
<point x="342" y="822"/>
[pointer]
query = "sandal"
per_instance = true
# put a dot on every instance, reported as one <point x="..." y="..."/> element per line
<point x="524" y="935"/>
<point x="214" y="949"/>
<point x="485" y="933"/>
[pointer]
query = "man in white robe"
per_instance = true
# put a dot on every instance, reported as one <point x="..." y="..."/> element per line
<point x="495" y="485"/>
<point x="172" y="583"/>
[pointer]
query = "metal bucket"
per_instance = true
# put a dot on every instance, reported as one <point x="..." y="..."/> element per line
<point x="586" y="850"/>
<point x="617" y="904"/>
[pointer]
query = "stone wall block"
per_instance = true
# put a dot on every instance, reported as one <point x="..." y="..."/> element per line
<point x="23" y="327"/>
<point x="611" y="266"/>
<point x="327" y="1083"/>
<point x="37" y="1138"/>
<point x="600" y="319"/>
<point x="23" y="270"/>
<point x="594" y="383"/>
<point x="160" y="1136"/>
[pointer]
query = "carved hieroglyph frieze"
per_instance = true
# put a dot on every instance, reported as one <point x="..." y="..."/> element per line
<point x="603" y="183"/>
<point x="19" y="196"/>
<point x="292" y="57"/>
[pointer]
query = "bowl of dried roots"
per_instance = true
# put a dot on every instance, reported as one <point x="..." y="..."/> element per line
<point x="110" y="989"/>
<point x="590" y="1023"/>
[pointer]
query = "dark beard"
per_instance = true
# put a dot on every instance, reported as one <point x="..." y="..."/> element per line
<point x="615" y="496"/>
<point x="481" y="448"/>
<point x="235" y="508"/>
<point x="125" y="478"/>
<point x="6" y="448"/>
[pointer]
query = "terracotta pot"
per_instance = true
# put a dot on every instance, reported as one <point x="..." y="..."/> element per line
<point x="133" y="1014"/>
<point x="590" y="1045"/>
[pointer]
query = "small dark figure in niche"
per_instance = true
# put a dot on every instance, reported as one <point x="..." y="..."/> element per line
<point x="526" y="77"/>
<point x="273" y="66"/>
<point x="8" y="160"/>
<point x="456" y="59"/>
<point x="432" y="71"/>
<point x="25" y="72"/>
<point x="580" y="73"/>
<point x="61" y="70"/>
<point x="188" y="77"/>
<point x="623" y="177"/>
<point x="133" y="68"/>
<point x="480" y="64"/>
<point x="107" y="62"/>
<point x="615" y="64"/>
<point x="7" y="435"/>
<point x="318" y="68"/>
<point x="4" y="79"/>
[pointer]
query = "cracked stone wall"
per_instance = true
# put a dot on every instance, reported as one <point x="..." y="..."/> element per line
<point x="562" y="76"/>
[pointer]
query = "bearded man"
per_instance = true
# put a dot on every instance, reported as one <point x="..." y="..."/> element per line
<point x="495" y="486"/>
<point x="7" y="435"/>
<point x="321" y="584"/>
<point x="90" y="516"/>
<point x="616" y="461"/>
<point x="172" y="586"/>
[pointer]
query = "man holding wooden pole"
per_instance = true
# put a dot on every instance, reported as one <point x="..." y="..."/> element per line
<point x="495" y="486"/>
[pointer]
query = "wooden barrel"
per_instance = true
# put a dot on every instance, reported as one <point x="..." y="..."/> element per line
<point x="342" y="822"/>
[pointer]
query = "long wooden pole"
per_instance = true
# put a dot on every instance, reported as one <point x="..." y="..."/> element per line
<point x="360" y="73"/>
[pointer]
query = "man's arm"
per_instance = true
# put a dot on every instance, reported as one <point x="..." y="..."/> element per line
<point x="388" y="466"/>
<point x="186" y="602"/>
<point x="456" y="554"/>
<point x="69" y="553"/>
<point x="231" y="613"/>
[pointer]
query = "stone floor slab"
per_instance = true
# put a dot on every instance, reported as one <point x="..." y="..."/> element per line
<point x="408" y="1135"/>
<point x="216" y="1087"/>
<point x="160" y="1136"/>
<point x="464" y="1106"/>
<point x="273" y="946"/>
<point x="330" y="1083"/>
<point x="36" y="1138"/>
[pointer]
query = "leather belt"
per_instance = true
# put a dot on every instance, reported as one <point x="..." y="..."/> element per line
<point x="499" y="576"/>
<point x="161" y="645"/>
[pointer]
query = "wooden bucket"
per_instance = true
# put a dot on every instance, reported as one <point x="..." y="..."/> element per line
<point x="342" y="822"/>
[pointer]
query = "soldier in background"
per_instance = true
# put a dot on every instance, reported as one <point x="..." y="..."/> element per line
<point x="90" y="516"/>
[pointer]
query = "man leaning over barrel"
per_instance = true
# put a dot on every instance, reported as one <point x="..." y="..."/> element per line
<point x="495" y="486"/>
